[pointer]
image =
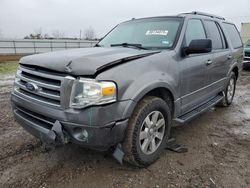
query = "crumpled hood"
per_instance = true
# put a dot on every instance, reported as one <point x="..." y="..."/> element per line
<point x="84" y="61"/>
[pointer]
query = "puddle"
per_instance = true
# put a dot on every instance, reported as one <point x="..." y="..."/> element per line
<point x="247" y="112"/>
<point x="243" y="131"/>
<point x="6" y="79"/>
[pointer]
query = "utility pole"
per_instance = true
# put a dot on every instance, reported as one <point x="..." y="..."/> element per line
<point x="80" y="34"/>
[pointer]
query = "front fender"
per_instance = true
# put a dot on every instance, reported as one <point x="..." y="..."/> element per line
<point x="144" y="84"/>
<point x="148" y="82"/>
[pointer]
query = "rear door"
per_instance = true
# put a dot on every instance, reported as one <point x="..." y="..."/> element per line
<point x="236" y="43"/>
<point x="194" y="76"/>
<point x="221" y="57"/>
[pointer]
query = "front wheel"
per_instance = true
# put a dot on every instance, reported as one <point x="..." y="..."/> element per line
<point x="147" y="132"/>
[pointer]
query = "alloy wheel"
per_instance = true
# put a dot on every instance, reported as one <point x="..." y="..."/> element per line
<point x="152" y="132"/>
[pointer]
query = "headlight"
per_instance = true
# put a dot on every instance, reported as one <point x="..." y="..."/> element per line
<point x="86" y="92"/>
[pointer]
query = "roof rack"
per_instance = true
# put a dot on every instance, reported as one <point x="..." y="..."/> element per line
<point x="206" y="14"/>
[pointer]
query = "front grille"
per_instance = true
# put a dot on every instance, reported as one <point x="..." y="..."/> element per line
<point x="48" y="88"/>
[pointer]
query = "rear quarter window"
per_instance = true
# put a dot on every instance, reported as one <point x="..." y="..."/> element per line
<point x="233" y="35"/>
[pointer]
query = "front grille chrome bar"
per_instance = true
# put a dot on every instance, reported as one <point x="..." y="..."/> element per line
<point x="46" y="88"/>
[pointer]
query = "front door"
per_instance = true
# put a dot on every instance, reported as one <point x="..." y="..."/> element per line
<point x="194" y="74"/>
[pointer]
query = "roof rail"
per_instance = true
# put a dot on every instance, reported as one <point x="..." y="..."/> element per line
<point x="206" y="14"/>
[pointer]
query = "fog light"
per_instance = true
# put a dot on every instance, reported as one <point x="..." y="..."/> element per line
<point x="85" y="135"/>
<point x="81" y="135"/>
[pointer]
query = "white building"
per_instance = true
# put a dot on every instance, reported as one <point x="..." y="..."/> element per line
<point x="245" y="31"/>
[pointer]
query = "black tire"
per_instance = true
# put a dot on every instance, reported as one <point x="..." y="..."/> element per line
<point x="131" y="145"/>
<point x="228" y="99"/>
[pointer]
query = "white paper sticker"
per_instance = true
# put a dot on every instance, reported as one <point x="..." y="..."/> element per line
<point x="165" y="42"/>
<point x="157" y="32"/>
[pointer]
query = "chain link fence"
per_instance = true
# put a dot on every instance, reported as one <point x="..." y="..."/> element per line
<point x="32" y="46"/>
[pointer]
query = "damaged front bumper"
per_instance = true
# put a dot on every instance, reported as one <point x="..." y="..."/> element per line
<point x="82" y="127"/>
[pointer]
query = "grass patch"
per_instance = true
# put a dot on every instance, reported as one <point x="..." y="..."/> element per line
<point x="8" y="67"/>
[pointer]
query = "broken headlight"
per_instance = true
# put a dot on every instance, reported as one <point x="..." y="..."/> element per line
<point x="88" y="92"/>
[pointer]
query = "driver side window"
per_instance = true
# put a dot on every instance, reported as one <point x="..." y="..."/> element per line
<point x="195" y="30"/>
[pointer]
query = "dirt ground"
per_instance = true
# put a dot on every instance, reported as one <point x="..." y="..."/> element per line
<point x="4" y="58"/>
<point x="218" y="153"/>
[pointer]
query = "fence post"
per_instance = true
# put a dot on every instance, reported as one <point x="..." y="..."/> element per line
<point x="34" y="47"/>
<point x="14" y="45"/>
<point x="51" y="46"/>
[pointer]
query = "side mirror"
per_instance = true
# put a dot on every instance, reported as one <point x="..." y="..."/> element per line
<point x="198" y="46"/>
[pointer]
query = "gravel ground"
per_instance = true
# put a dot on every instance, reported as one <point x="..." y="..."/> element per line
<point x="218" y="153"/>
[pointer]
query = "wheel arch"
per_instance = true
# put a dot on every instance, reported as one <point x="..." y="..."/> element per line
<point x="157" y="90"/>
<point x="236" y="72"/>
<point x="234" y="68"/>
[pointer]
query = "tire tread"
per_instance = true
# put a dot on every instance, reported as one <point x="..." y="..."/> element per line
<point x="131" y="155"/>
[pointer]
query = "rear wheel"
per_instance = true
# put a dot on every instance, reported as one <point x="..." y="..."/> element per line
<point x="229" y="91"/>
<point x="148" y="131"/>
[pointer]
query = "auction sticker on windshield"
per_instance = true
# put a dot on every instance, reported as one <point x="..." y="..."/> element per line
<point x="157" y="32"/>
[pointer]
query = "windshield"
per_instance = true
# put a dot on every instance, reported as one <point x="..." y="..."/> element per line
<point x="248" y="43"/>
<point x="150" y="33"/>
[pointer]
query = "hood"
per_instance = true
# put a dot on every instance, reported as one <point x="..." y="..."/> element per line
<point x="85" y="61"/>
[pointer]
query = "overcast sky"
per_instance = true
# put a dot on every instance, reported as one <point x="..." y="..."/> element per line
<point x="22" y="17"/>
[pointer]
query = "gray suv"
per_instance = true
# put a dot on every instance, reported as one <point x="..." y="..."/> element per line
<point x="143" y="77"/>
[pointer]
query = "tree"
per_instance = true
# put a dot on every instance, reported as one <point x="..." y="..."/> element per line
<point x="89" y="33"/>
<point x="46" y="36"/>
<point x="57" y="34"/>
<point x="38" y="33"/>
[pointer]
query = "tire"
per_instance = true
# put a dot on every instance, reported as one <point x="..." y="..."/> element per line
<point x="138" y="150"/>
<point x="229" y="91"/>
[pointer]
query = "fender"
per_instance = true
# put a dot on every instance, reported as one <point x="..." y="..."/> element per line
<point x="235" y="64"/>
<point x="144" y="84"/>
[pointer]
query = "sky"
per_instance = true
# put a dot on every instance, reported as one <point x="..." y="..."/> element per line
<point x="19" y="18"/>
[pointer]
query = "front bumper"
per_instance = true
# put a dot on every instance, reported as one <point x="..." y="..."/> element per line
<point x="98" y="127"/>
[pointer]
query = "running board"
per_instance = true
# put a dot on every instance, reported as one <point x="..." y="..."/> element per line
<point x="194" y="113"/>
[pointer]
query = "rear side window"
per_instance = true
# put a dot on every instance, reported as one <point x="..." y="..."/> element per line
<point x="233" y="35"/>
<point x="214" y="34"/>
<point x="195" y="30"/>
<point x="224" y="41"/>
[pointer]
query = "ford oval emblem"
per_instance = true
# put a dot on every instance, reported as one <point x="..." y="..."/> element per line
<point x="31" y="86"/>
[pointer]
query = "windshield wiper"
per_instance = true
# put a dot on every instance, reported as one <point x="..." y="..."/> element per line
<point x="139" y="46"/>
<point x="97" y="45"/>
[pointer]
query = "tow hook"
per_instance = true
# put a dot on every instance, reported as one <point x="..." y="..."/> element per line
<point x="55" y="136"/>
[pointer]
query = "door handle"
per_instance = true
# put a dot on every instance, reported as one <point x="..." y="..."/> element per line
<point x="209" y="62"/>
<point x="229" y="57"/>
